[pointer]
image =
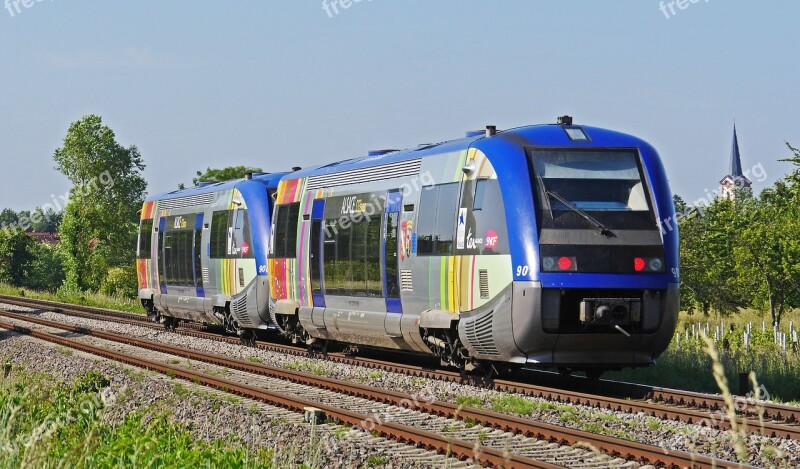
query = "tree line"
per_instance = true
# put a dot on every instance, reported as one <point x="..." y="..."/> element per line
<point x="743" y="252"/>
<point x="98" y="225"/>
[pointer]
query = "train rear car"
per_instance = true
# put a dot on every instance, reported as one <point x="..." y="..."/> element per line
<point x="203" y="254"/>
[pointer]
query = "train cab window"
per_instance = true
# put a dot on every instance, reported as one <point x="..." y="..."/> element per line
<point x="436" y="222"/>
<point x="480" y="194"/>
<point x="230" y="235"/>
<point x="284" y="234"/>
<point x="145" y="239"/>
<point x="484" y="231"/>
<point x="242" y="246"/>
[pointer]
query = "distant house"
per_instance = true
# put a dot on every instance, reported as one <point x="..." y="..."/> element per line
<point x="45" y="238"/>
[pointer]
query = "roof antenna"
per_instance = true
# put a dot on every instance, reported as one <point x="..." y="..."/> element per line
<point x="491" y="130"/>
<point x="564" y="120"/>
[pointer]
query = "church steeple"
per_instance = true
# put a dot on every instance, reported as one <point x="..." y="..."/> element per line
<point x="735" y="177"/>
<point x="736" y="158"/>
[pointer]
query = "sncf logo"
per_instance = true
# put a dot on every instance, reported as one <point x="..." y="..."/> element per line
<point x="491" y="239"/>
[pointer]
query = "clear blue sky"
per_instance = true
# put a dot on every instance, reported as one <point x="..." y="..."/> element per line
<point x="280" y="83"/>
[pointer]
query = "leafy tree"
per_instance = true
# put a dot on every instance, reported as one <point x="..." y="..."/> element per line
<point x="8" y="218"/>
<point x="708" y="267"/>
<point x="46" y="270"/>
<point x="15" y="256"/>
<point x="769" y="255"/>
<point x="225" y="174"/>
<point x="98" y="230"/>
<point x="45" y="221"/>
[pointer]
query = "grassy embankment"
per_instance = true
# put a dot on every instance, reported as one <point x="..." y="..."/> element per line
<point x="686" y="364"/>
<point x="96" y="300"/>
<point x="47" y="425"/>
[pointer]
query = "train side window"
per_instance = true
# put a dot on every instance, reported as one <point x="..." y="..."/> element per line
<point x="285" y="235"/>
<point x="145" y="239"/>
<point x="436" y="222"/>
<point x="446" y="219"/>
<point x="426" y="221"/>
<point x="219" y="234"/>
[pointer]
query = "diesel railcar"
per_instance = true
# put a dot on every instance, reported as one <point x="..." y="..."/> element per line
<point x="538" y="245"/>
<point x="202" y="254"/>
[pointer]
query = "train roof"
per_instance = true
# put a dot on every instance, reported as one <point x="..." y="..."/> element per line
<point x="267" y="179"/>
<point x="542" y="134"/>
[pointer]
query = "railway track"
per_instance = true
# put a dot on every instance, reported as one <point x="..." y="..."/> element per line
<point x="669" y="404"/>
<point x="536" y="445"/>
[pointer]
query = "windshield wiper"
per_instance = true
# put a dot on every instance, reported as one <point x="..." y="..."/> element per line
<point x="603" y="229"/>
<point x="540" y="183"/>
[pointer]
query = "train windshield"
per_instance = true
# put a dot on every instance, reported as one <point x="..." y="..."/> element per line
<point x="604" y="185"/>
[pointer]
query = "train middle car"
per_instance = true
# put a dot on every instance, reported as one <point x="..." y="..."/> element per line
<point x="538" y="245"/>
<point x="202" y="254"/>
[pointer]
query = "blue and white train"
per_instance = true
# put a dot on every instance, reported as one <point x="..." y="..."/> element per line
<point x="539" y="245"/>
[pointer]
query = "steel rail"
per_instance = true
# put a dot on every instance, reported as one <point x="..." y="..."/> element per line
<point x="615" y="447"/>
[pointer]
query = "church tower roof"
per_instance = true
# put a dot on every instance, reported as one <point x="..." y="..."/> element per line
<point x="736" y="158"/>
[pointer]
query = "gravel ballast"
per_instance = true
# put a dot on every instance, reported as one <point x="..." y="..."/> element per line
<point x="766" y="452"/>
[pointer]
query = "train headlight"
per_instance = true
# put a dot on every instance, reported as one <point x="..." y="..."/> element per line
<point x="559" y="264"/>
<point x="656" y="265"/>
<point x="653" y="264"/>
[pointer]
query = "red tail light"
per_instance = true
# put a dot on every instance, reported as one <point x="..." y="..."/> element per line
<point x="639" y="264"/>
<point x="565" y="263"/>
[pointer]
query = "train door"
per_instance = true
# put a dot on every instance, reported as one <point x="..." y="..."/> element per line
<point x="162" y="279"/>
<point x="315" y="251"/>
<point x="198" y="256"/>
<point x="391" y="266"/>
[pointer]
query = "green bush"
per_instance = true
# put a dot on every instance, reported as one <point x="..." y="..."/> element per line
<point x="121" y="282"/>
<point x="46" y="269"/>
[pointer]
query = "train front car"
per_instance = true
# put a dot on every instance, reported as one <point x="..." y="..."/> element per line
<point x="203" y="254"/>
<point x="537" y="245"/>
<point x="594" y="252"/>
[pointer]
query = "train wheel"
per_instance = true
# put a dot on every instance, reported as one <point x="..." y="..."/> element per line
<point x="170" y="323"/>
<point x="594" y="374"/>
<point x="247" y="337"/>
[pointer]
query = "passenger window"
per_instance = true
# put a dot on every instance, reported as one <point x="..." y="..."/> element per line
<point x="436" y="221"/>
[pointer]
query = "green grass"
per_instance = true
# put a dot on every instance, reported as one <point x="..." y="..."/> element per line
<point x="513" y="405"/>
<point x="95" y="300"/>
<point x="47" y="425"/>
<point x="307" y="367"/>
<point x="469" y="401"/>
<point x="688" y="366"/>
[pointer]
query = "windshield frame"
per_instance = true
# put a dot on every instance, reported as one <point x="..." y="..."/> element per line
<point x="547" y="213"/>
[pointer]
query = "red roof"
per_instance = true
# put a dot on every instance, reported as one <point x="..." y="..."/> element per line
<point x="45" y="238"/>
